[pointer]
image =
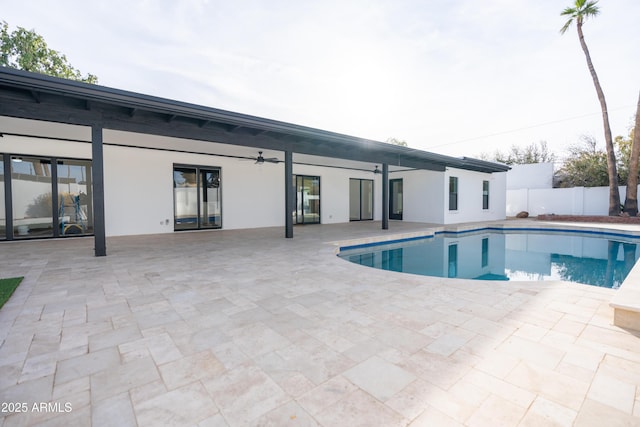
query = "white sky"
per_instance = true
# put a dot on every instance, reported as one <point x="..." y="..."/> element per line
<point x="456" y="77"/>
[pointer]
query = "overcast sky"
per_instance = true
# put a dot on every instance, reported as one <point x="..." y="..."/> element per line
<point x="456" y="77"/>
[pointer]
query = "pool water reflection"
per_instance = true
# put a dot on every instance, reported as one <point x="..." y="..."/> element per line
<point x="531" y="256"/>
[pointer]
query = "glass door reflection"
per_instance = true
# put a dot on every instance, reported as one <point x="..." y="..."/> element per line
<point x="210" y="199"/>
<point x="395" y="199"/>
<point x="197" y="202"/>
<point x="75" y="208"/>
<point x="31" y="197"/>
<point x="360" y="199"/>
<point x="307" y="199"/>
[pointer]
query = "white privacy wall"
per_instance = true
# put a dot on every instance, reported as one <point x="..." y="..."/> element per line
<point x="561" y="201"/>
<point x="536" y="175"/>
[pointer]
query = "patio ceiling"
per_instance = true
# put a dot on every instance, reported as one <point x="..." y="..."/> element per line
<point x="36" y="96"/>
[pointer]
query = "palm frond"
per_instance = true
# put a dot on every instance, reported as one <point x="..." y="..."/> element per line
<point x="582" y="10"/>
<point x="566" y="26"/>
<point x="591" y="9"/>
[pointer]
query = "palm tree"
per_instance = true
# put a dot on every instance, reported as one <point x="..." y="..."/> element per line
<point x="580" y="12"/>
<point x="631" y="201"/>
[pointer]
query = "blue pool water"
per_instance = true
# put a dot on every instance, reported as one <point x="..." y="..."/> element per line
<point x="590" y="259"/>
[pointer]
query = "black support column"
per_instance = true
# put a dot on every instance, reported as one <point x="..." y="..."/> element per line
<point x="289" y="195"/>
<point x="385" y="196"/>
<point x="97" y="169"/>
<point x="8" y="199"/>
<point x="55" y="198"/>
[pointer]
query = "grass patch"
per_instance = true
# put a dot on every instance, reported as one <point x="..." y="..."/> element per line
<point x="7" y="286"/>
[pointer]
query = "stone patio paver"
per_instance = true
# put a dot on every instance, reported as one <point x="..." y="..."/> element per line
<point x="245" y="327"/>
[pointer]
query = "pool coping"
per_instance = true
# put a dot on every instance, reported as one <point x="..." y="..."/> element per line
<point x="625" y="303"/>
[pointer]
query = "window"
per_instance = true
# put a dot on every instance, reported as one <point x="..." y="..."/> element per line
<point x="453" y="193"/>
<point x="485" y="194"/>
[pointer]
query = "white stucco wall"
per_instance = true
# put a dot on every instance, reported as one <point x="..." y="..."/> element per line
<point x="334" y="191"/>
<point x="470" y="196"/>
<point x="139" y="184"/>
<point x="537" y="175"/>
<point x="139" y="190"/>
<point x="422" y="200"/>
<point x="44" y="147"/>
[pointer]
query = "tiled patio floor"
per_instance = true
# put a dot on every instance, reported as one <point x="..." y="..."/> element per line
<point x="248" y="328"/>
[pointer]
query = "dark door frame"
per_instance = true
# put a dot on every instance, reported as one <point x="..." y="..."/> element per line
<point x="198" y="169"/>
<point x="295" y="182"/>
<point x="392" y="197"/>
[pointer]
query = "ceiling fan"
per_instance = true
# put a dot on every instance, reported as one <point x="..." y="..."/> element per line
<point x="260" y="160"/>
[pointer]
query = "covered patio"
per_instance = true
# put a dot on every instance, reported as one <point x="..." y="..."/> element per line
<point x="243" y="327"/>
<point x="120" y="136"/>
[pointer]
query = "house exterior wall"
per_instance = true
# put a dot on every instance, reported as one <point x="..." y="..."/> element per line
<point x="252" y="195"/>
<point x="139" y="189"/>
<point x="139" y="195"/>
<point x="44" y="147"/>
<point x="422" y="201"/>
<point x="334" y="191"/>
<point x="470" y="196"/>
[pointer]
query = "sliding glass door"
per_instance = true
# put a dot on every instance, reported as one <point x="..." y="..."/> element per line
<point x="50" y="197"/>
<point x="307" y="190"/>
<point x="210" y="214"/>
<point x="360" y="199"/>
<point x="31" y="197"/>
<point x="3" y="215"/>
<point x="75" y="205"/>
<point x="196" y="198"/>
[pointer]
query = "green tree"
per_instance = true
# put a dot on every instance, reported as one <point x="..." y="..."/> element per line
<point x="579" y="12"/>
<point x="631" y="200"/>
<point x="586" y="165"/>
<point x="396" y="141"/>
<point x="532" y="153"/>
<point x="26" y="50"/>
<point x="623" y="154"/>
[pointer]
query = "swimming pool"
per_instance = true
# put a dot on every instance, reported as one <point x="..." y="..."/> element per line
<point x="585" y="258"/>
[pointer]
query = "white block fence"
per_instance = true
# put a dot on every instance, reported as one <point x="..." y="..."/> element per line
<point x="561" y="201"/>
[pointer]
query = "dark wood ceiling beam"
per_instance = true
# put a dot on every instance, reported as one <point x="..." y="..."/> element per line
<point x="35" y="95"/>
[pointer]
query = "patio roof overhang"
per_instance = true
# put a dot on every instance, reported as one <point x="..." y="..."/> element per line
<point x="40" y="97"/>
<point x="34" y="96"/>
